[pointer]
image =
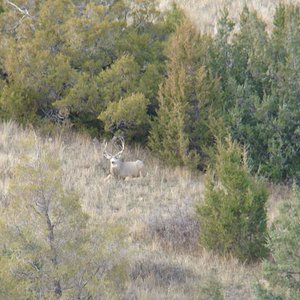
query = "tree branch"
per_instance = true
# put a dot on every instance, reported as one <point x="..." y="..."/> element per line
<point x="22" y="11"/>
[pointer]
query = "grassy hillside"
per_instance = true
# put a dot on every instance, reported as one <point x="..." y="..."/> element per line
<point x="205" y="13"/>
<point x="157" y="211"/>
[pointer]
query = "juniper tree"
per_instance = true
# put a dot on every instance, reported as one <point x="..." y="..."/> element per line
<point x="232" y="216"/>
<point x="282" y="270"/>
<point x="187" y="99"/>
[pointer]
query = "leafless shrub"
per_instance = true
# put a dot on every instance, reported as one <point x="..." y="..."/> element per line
<point x="163" y="274"/>
<point x="178" y="229"/>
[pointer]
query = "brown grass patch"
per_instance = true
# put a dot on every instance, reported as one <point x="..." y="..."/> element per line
<point x="158" y="212"/>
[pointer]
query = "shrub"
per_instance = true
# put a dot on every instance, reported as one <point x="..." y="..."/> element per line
<point x="18" y="104"/>
<point x="233" y="217"/>
<point x="164" y="274"/>
<point x="177" y="229"/>
<point x="128" y="115"/>
<point x="282" y="272"/>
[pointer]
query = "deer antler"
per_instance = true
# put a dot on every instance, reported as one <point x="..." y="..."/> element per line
<point x="123" y="147"/>
<point x="105" y="154"/>
<point x="117" y="155"/>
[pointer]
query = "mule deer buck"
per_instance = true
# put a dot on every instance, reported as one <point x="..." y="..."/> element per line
<point x="123" y="169"/>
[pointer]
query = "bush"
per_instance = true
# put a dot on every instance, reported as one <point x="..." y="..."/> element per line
<point x="233" y="217"/>
<point x="282" y="272"/>
<point x="128" y="115"/>
<point x="18" y="104"/>
<point x="177" y="229"/>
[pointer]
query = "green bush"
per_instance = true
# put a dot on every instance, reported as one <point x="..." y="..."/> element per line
<point x="282" y="272"/>
<point x="233" y="217"/>
<point x="18" y="104"/>
<point x="128" y="115"/>
<point x="210" y="288"/>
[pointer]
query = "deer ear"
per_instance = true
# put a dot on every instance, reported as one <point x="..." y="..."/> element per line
<point x="107" y="156"/>
<point x="118" y="156"/>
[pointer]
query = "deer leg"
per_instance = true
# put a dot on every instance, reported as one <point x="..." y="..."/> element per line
<point x="108" y="177"/>
<point x="142" y="173"/>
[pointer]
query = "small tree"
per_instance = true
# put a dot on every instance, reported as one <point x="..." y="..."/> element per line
<point x="282" y="272"/>
<point x="233" y="216"/>
<point x="188" y="100"/>
<point x="48" y="248"/>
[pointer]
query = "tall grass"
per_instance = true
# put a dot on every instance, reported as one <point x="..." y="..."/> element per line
<point x="205" y="13"/>
<point x="158" y="211"/>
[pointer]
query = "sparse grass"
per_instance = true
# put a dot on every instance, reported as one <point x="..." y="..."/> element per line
<point x="158" y="211"/>
<point x="205" y="13"/>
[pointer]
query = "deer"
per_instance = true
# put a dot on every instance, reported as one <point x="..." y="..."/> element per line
<point x="123" y="169"/>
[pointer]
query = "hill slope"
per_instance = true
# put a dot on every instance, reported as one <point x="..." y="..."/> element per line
<point x="205" y="13"/>
<point x="157" y="211"/>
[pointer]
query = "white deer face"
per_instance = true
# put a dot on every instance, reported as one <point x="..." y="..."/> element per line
<point x="115" y="161"/>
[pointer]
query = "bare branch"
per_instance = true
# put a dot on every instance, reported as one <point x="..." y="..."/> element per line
<point x="22" y="11"/>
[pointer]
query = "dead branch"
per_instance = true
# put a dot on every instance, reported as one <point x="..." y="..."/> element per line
<point x="24" y="12"/>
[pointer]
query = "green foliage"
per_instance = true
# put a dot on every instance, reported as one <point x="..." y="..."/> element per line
<point x="233" y="216"/>
<point x="83" y="97"/>
<point x="18" y="104"/>
<point x="206" y="116"/>
<point x="259" y="84"/>
<point x="282" y="270"/>
<point x="84" y="55"/>
<point x="143" y="13"/>
<point x="285" y="93"/>
<point x="91" y="38"/>
<point x="129" y="115"/>
<point x="120" y="80"/>
<point x="210" y="288"/>
<point x="48" y="75"/>
<point x="149" y="84"/>
<point x="168" y="137"/>
<point x="188" y="101"/>
<point x="48" y="247"/>
<point x="174" y="17"/>
<point x="278" y="37"/>
<point x="79" y="56"/>
<point x="221" y="57"/>
<point x="277" y="118"/>
<point x="250" y="51"/>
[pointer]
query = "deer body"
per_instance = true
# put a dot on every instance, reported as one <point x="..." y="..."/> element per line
<point x="124" y="169"/>
<point x="121" y="169"/>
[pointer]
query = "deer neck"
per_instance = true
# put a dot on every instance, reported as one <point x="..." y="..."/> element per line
<point x="115" y="169"/>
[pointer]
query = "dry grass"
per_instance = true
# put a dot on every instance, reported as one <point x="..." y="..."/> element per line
<point x="205" y="13"/>
<point x="158" y="210"/>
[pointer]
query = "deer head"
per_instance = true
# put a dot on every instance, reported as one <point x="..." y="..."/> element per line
<point x="120" y="168"/>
